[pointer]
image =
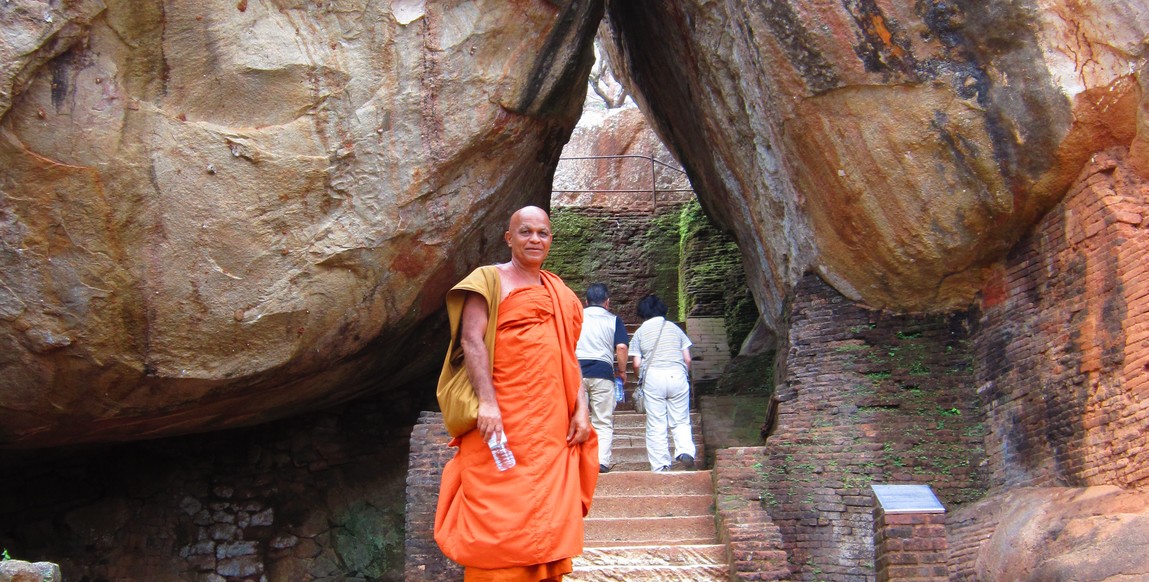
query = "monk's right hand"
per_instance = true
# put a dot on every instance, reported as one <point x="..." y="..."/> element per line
<point x="490" y="420"/>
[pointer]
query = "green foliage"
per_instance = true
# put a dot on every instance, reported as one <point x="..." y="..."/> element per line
<point x="369" y="541"/>
<point x="878" y="376"/>
<point x="579" y="248"/>
<point x="662" y="242"/>
<point x="712" y="276"/>
<point x="4" y="556"/>
<point x="748" y="375"/>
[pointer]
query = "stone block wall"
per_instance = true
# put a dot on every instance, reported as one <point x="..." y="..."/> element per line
<point x="307" y="499"/>
<point x="1062" y="345"/>
<point x="710" y="353"/>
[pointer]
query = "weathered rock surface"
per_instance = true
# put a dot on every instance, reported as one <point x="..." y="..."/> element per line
<point x="898" y="147"/>
<point x="615" y="159"/>
<point x="20" y="571"/>
<point x="1096" y="533"/>
<point x="215" y="213"/>
<point x="212" y="214"/>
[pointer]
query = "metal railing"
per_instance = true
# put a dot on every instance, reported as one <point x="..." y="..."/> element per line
<point x="653" y="190"/>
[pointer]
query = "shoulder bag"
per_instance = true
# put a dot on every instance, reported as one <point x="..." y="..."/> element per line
<point x="455" y="393"/>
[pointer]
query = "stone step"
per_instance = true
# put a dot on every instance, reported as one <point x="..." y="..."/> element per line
<point x="649" y="531"/>
<point x="674" y="563"/>
<point x="635" y="459"/>
<point x="707" y="573"/>
<point x="648" y="483"/>
<point x="629" y="418"/>
<point x="628" y="445"/>
<point x="686" y="555"/>
<point x="626" y="506"/>
<point x="636" y="437"/>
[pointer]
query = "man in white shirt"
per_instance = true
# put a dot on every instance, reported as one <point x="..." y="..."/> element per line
<point x="601" y="353"/>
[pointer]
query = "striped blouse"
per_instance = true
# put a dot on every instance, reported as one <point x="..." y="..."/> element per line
<point x="669" y="347"/>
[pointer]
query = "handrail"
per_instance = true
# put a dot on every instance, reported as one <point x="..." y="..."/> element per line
<point x="654" y="190"/>
<point x="624" y="191"/>
<point x="639" y="156"/>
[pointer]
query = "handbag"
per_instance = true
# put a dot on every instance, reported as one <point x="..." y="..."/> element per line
<point x="639" y="393"/>
<point x="639" y="399"/>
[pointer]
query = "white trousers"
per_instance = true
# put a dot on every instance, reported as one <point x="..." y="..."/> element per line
<point x="667" y="407"/>
<point x="600" y="397"/>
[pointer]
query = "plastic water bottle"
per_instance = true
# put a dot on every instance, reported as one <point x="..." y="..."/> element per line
<point x="504" y="458"/>
<point x="619" y="393"/>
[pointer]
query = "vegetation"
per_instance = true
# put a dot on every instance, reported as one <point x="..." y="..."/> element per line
<point x="579" y="250"/>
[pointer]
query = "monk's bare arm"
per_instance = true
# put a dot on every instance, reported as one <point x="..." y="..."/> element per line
<point x="477" y="360"/>
<point x="580" y="421"/>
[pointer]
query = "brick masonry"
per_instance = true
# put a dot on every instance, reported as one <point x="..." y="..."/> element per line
<point x="755" y="548"/>
<point x="632" y="249"/>
<point x="637" y="248"/>
<point x="1063" y="341"/>
<point x="910" y="547"/>
<point x="866" y="397"/>
<point x="429" y="453"/>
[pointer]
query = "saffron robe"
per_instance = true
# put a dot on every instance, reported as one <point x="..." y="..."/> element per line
<point x="532" y="513"/>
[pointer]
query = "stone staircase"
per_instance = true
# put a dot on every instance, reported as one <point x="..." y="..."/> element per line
<point x="651" y="526"/>
<point x="629" y="450"/>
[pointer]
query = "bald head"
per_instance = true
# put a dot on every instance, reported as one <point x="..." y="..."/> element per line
<point x="529" y="236"/>
<point x="529" y="212"/>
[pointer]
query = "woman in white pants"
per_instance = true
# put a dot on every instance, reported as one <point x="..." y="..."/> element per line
<point x="661" y="353"/>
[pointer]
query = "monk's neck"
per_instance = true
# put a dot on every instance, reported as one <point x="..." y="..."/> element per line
<point x="514" y="275"/>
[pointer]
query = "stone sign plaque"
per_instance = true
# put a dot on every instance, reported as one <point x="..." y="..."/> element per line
<point x="907" y="499"/>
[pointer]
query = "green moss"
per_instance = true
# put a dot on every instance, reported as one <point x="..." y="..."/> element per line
<point x="579" y="249"/>
<point x="713" y="281"/>
<point x="369" y="541"/>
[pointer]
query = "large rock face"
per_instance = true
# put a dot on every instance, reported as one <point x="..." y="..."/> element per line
<point x="896" y="147"/>
<point x="1094" y="533"/>
<point x="214" y="213"/>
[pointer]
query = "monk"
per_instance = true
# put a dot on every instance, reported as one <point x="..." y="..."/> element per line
<point x="524" y="524"/>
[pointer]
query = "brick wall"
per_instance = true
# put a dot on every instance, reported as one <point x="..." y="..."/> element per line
<point x="754" y="544"/>
<point x="429" y="453"/>
<point x="1061" y="346"/>
<point x="867" y="398"/>
<point x="670" y="249"/>
<point x="633" y="250"/>
<point x="910" y="547"/>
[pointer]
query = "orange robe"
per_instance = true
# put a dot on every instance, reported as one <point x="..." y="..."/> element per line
<point x="531" y="514"/>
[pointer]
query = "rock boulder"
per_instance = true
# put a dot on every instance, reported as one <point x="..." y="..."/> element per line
<point x="897" y="148"/>
<point x="1096" y="533"/>
<point x="217" y="213"/>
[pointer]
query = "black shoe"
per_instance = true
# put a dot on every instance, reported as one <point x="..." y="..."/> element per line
<point x="686" y="461"/>
<point x="603" y="469"/>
